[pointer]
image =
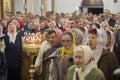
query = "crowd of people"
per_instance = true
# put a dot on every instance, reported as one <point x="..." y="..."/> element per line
<point x="81" y="46"/>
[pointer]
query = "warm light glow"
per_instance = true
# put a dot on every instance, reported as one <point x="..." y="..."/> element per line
<point x="33" y="38"/>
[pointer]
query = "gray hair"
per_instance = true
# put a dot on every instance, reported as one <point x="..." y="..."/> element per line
<point x="78" y="34"/>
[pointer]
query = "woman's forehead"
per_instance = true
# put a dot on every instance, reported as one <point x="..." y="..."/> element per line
<point x="79" y="53"/>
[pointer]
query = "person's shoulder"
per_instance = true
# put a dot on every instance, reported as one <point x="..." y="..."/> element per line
<point x="72" y="68"/>
<point x="108" y="54"/>
<point x="118" y="31"/>
<point x="97" y="74"/>
<point x="112" y="19"/>
<point x="57" y="52"/>
<point x="97" y="71"/>
<point x="45" y="42"/>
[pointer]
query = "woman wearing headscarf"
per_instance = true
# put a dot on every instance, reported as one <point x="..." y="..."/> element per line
<point x="29" y="28"/>
<point x="62" y="58"/>
<point x="85" y="67"/>
<point x="13" y="50"/>
<point x="54" y="39"/>
<point x="106" y="60"/>
<point x="110" y="41"/>
<point x="78" y="35"/>
<point x="84" y="30"/>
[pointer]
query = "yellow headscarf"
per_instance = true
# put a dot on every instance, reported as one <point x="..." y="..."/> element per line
<point x="68" y="52"/>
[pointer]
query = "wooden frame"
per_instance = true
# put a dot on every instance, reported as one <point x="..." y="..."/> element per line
<point x="6" y="6"/>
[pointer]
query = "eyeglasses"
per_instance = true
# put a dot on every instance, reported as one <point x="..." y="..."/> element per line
<point x="66" y="41"/>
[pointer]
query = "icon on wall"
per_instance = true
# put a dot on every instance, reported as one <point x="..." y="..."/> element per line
<point x="7" y="7"/>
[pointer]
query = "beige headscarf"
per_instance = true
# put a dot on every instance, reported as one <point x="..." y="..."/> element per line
<point x="12" y="36"/>
<point x="89" y="62"/>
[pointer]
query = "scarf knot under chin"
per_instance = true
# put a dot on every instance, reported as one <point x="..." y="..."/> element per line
<point x="67" y="52"/>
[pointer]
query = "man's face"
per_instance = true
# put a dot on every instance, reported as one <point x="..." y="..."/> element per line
<point x="106" y="14"/>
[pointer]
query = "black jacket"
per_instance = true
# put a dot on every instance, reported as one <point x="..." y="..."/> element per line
<point x="13" y="51"/>
<point x="111" y="22"/>
<point x="2" y="64"/>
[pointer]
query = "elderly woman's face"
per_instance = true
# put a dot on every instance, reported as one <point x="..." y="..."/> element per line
<point x="79" y="59"/>
<point x="12" y="28"/>
<point x="92" y="41"/>
<point x="67" y="41"/>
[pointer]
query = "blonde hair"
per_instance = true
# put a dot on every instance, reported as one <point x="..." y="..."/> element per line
<point x="78" y="34"/>
<point x="106" y="25"/>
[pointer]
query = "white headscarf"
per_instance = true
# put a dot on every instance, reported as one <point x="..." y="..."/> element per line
<point x="85" y="40"/>
<point x="89" y="62"/>
<point x="101" y="43"/>
<point x="111" y="46"/>
<point x="12" y="36"/>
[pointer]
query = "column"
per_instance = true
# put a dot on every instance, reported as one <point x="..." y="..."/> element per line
<point x="30" y="6"/>
<point x="53" y="5"/>
<point x="43" y="7"/>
